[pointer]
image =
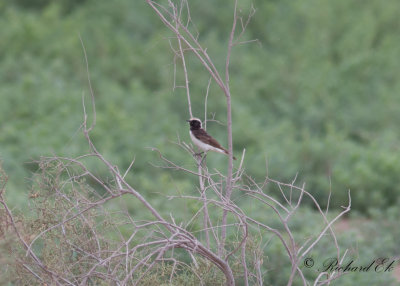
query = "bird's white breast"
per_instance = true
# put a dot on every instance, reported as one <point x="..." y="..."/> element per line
<point x="203" y="146"/>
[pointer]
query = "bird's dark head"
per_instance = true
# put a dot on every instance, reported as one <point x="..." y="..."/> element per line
<point x="194" y="123"/>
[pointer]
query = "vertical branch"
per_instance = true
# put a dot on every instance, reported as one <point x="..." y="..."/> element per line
<point x="228" y="191"/>
<point x="182" y="56"/>
<point x="90" y="86"/>
<point x="205" y="104"/>
<point x="206" y="216"/>
<point x="243" y="257"/>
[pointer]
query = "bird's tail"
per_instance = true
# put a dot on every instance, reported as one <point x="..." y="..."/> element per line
<point x="227" y="153"/>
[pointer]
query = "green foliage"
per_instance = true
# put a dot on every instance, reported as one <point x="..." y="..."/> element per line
<point x="317" y="96"/>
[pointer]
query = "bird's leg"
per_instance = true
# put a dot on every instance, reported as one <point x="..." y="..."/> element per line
<point x="201" y="155"/>
<point x="202" y="159"/>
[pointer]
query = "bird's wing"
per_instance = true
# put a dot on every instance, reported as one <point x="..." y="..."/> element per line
<point x="203" y="136"/>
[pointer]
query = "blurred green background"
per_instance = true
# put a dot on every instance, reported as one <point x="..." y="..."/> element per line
<point x="317" y="95"/>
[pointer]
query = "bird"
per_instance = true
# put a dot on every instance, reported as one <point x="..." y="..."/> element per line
<point x="203" y="140"/>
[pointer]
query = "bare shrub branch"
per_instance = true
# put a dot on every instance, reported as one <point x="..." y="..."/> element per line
<point x="78" y="233"/>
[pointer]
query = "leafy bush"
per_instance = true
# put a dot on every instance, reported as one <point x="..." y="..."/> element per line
<point x="317" y="96"/>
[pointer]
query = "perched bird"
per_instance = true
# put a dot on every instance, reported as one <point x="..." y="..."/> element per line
<point x="202" y="140"/>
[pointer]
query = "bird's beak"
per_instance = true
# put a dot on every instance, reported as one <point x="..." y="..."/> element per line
<point x="187" y="120"/>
